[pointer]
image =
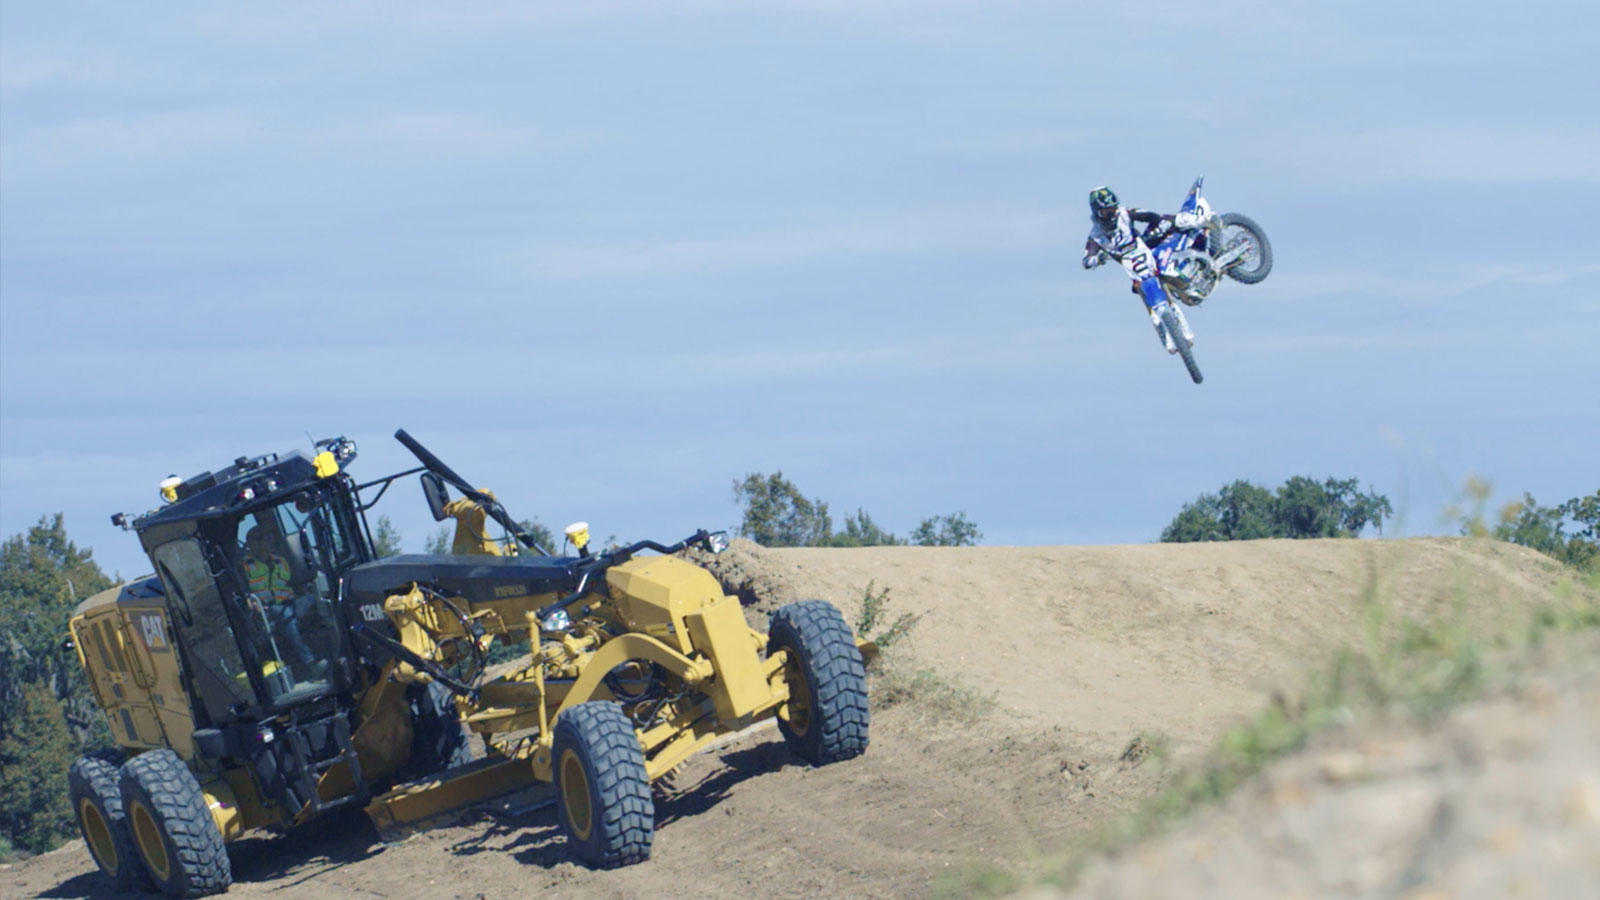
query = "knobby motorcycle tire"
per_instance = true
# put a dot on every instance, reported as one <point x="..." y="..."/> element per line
<point x="1263" y="267"/>
<point x="1169" y="318"/>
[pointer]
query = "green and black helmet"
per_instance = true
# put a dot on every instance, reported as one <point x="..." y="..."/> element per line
<point x="1103" y="205"/>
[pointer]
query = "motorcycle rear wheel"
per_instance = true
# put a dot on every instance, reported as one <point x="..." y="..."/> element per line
<point x="1256" y="263"/>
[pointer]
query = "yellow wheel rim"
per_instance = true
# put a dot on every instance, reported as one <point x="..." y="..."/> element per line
<point x="148" y="836"/>
<point x="97" y="834"/>
<point x="575" y="795"/>
<point x="799" y="705"/>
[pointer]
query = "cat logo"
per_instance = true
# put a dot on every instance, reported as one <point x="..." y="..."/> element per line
<point x="511" y="590"/>
<point x="153" y="628"/>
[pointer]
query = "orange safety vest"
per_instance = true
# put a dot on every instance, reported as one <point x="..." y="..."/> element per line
<point x="269" y="581"/>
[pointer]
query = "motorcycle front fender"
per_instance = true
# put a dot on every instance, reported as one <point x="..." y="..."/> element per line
<point x="1151" y="292"/>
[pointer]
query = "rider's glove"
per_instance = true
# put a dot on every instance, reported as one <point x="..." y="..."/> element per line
<point x="1187" y="220"/>
<point x="1090" y="262"/>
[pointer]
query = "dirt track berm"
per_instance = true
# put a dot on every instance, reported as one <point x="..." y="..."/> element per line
<point x="273" y="669"/>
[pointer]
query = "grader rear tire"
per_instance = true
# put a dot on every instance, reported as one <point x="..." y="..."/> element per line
<point x="177" y="839"/>
<point x="602" y="790"/>
<point x="826" y="717"/>
<point x="97" y="804"/>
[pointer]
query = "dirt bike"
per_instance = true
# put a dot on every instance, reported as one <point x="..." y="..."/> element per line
<point x="1190" y="261"/>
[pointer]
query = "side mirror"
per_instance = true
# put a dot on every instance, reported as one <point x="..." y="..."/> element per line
<point x="433" y="488"/>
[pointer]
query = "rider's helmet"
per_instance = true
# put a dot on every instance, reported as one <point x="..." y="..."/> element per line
<point x="1103" y="205"/>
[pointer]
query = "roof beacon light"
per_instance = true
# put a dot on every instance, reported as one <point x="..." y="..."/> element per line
<point x="578" y="534"/>
<point x="169" y="488"/>
<point x="327" y="466"/>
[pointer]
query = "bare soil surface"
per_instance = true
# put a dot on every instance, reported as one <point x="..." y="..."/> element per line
<point x="1047" y="664"/>
<point x="1501" y="799"/>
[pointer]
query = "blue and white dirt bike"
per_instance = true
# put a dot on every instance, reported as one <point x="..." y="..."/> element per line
<point x="1190" y="261"/>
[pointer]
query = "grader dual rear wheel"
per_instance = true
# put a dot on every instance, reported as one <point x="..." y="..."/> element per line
<point x="97" y="803"/>
<point x="177" y="840"/>
<point x="826" y="717"/>
<point x="601" y="786"/>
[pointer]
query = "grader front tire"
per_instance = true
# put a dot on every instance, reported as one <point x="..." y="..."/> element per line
<point x="177" y="839"/>
<point x="826" y="717"/>
<point x="602" y="790"/>
<point x="97" y="804"/>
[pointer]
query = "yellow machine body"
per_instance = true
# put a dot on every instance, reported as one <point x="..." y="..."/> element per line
<point x="662" y="614"/>
<point x="405" y="643"/>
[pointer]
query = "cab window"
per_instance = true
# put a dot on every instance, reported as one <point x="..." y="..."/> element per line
<point x="213" y="654"/>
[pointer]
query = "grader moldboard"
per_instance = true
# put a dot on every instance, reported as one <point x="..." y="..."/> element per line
<point x="272" y="669"/>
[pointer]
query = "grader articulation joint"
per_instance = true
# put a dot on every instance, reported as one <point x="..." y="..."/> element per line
<point x="272" y="669"/>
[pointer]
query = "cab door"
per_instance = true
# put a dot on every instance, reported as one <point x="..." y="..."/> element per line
<point x="156" y="669"/>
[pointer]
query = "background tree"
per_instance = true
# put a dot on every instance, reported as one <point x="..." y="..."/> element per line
<point x="776" y="514"/>
<point x="43" y="575"/>
<point x="542" y="536"/>
<point x="1300" y="508"/>
<point x="947" y="531"/>
<point x="861" y="531"/>
<point x="1201" y="520"/>
<point x="1304" y="509"/>
<point x="439" y="542"/>
<point x="386" y="540"/>
<point x="1544" y="528"/>
<point x="1357" y="510"/>
<point x="1247" y="511"/>
<point x="34" y="754"/>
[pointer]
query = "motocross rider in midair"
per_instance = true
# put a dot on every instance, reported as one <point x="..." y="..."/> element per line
<point x="1112" y="235"/>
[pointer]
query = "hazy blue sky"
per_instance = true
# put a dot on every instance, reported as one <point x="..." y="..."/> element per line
<point x="606" y="259"/>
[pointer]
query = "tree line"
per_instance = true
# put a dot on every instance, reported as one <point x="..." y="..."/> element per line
<point x="1568" y="531"/>
<point x="777" y="514"/>
<point x="47" y="715"/>
<point x="1301" y="507"/>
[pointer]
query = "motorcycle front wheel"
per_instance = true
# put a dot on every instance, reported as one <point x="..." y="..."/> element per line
<point x="1256" y="262"/>
<point x="1169" y="318"/>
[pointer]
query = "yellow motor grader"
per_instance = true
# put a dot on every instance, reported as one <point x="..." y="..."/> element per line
<point x="272" y="669"/>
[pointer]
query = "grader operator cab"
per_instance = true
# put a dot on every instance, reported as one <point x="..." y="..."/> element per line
<point x="271" y="669"/>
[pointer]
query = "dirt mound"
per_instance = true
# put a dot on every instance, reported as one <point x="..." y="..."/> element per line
<point x="1501" y="799"/>
<point x="1022" y="703"/>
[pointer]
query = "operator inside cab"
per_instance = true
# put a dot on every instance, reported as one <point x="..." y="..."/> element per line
<point x="273" y="597"/>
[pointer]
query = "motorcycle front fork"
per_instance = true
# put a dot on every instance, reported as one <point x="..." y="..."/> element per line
<point x="1161" y="329"/>
<point x="1153" y="296"/>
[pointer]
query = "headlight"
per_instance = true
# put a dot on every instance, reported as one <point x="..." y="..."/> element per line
<point x="718" y="541"/>
<point x="556" y="621"/>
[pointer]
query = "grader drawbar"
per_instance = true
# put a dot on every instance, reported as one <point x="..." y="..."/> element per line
<point x="272" y="670"/>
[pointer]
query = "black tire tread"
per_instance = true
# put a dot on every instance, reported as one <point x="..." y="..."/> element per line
<point x="97" y="775"/>
<point x="624" y="817"/>
<point x="836" y="675"/>
<point x="199" y="855"/>
<point x="1264" y="268"/>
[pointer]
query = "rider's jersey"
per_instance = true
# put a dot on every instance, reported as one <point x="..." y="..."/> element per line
<point x="1119" y="240"/>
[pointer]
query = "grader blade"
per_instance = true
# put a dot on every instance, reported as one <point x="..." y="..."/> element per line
<point x="457" y="789"/>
